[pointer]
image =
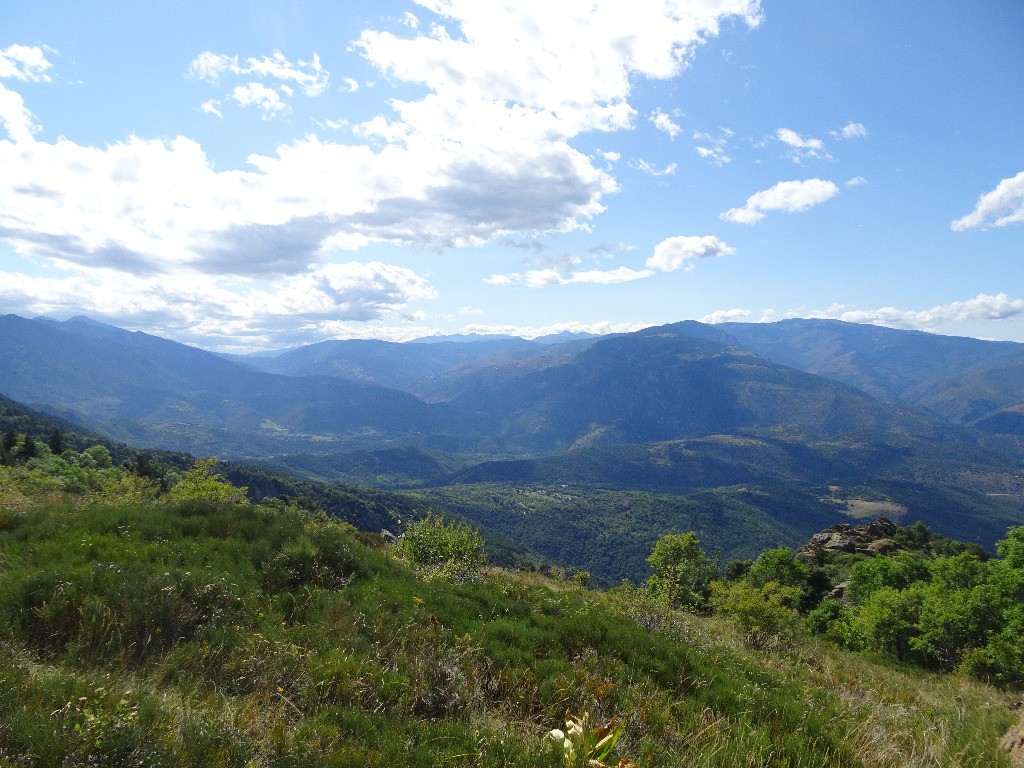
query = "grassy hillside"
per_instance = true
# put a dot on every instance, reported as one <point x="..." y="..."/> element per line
<point x="363" y="507"/>
<point x="196" y="629"/>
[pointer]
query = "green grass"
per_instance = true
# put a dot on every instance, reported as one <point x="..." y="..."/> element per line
<point x="202" y="633"/>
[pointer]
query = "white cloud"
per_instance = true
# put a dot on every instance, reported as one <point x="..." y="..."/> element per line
<point x="856" y="181"/>
<point x="22" y="62"/>
<point x="309" y="76"/>
<point x="683" y="252"/>
<point x="664" y="123"/>
<point x="561" y="269"/>
<point x="331" y="125"/>
<point x="572" y="69"/>
<point x="485" y="152"/>
<point x="610" y="276"/>
<point x="850" y="131"/>
<point x="646" y="167"/>
<point x="200" y="307"/>
<point x="713" y="148"/>
<point x="539" y="278"/>
<point x="499" y="280"/>
<point x="257" y="94"/>
<point x="410" y="20"/>
<point x="725" y="316"/>
<point x="351" y="85"/>
<point x="786" y="196"/>
<point x="29" y="64"/>
<point x="801" y="148"/>
<point x="600" y="328"/>
<point x="210" y="108"/>
<point x="981" y="307"/>
<point x="1003" y="205"/>
<point x="15" y="117"/>
<point x="210" y="66"/>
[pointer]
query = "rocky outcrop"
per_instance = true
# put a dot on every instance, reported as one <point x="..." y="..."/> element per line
<point x="870" y="539"/>
<point x="1013" y="741"/>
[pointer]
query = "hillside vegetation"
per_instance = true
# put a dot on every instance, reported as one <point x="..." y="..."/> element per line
<point x="610" y="533"/>
<point x="190" y="627"/>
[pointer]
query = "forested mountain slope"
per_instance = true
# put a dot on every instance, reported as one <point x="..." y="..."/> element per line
<point x="155" y="392"/>
<point x="960" y="379"/>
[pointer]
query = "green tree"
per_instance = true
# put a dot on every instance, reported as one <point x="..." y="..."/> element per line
<point x="682" y="571"/>
<point x="952" y="622"/>
<point x="827" y="619"/>
<point x="779" y="565"/>
<point x="10" y="439"/>
<point x="1007" y="573"/>
<point x="783" y="567"/>
<point x="916" y="536"/>
<point x="899" y="571"/>
<point x="1001" y="660"/>
<point x="98" y="456"/>
<point x="959" y="572"/>
<point x="736" y="569"/>
<point x="57" y="442"/>
<point x="889" y="620"/>
<point x="1011" y="549"/>
<point x="26" y="448"/>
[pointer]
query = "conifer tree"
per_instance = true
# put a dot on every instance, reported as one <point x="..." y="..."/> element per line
<point x="57" y="442"/>
<point x="28" y="448"/>
<point x="10" y="439"/>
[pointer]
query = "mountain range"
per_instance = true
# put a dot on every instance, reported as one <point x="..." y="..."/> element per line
<point x="751" y="434"/>
<point x="509" y="397"/>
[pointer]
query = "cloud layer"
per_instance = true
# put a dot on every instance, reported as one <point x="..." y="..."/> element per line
<point x="484" y="152"/>
<point x="786" y="196"/>
<point x="981" y="307"/>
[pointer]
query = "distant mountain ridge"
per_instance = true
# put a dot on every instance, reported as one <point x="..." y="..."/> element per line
<point x="959" y="379"/>
<point x="151" y="391"/>
<point x="663" y="384"/>
<point x="937" y="373"/>
<point x="509" y="397"/>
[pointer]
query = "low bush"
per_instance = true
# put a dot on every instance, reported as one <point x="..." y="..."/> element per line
<point x="441" y="548"/>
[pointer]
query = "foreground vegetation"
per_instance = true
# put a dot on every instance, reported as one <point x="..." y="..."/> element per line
<point x="187" y="626"/>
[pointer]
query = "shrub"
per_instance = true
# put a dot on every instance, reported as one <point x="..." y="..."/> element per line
<point x="437" y="547"/>
<point x="825" y="619"/>
<point x="583" y="743"/>
<point x="765" y="614"/>
<point x="201" y="485"/>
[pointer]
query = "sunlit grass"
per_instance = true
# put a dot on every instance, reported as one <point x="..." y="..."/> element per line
<point x="201" y="633"/>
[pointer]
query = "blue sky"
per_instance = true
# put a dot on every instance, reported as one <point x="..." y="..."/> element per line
<point x="263" y="174"/>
